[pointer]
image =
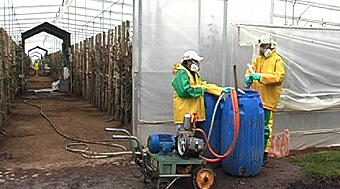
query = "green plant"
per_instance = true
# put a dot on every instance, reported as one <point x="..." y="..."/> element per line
<point x="322" y="164"/>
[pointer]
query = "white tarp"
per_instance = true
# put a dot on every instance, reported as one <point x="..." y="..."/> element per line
<point x="310" y="101"/>
<point x="311" y="58"/>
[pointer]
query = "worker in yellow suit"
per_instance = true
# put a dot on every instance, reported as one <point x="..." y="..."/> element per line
<point x="189" y="88"/>
<point x="36" y="67"/>
<point x="268" y="77"/>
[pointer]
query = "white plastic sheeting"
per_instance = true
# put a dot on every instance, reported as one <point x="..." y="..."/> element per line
<point x="311" y="58"/>
<point x="310" y="101"/>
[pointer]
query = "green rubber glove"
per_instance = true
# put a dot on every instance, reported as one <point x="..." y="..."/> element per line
<point x="256" y="76"/>
<point x="227" y="89"/>
<point x="248" y="81"/>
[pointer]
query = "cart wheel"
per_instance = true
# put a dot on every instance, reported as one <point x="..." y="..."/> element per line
<point x="183" y="145"/>
<point x="203" y="177"/>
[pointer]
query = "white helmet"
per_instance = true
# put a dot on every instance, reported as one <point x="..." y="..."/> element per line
<point x="191" y="54"/>
<point x="265" y="39"/>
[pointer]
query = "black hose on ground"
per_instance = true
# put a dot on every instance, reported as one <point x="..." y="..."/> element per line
<point x="78" y="142"/>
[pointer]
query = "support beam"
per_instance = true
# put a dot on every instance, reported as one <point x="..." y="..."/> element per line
<point x="62" y="11"/>
<point x="60" y="15"/>
<point x="313" y="4"/>
<point x="45" y="18"/>
<point x="36" y="6"/>
<point x="310" y="20"/>
<point x="120" y="4"/>
<point x="30" y="13"/>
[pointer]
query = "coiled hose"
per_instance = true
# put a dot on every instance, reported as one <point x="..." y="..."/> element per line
<point x="78" y="142"/>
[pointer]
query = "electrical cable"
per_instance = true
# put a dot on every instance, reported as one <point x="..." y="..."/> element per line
<point x="85" y="152"/>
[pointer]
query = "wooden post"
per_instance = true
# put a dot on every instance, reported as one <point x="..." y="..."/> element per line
<point x="105" y="78"/>
<point x="6" y="74"/>
<point x="103" y="72"/>
<point x="121" y="73"/>
<point x="72" y="64"/>
<point x="87" y="82"/>
<point x="92" y="71"/>
<point x="109" y="87"/>
<point x="74" y="68"/>
<point x="97" y="60"/>
<point x="128" y="71"/>
<point x="117" y="77"/>
<point x="2" y="77"/>
<point x="78" y="68"/>
<point x="82" y="69"/>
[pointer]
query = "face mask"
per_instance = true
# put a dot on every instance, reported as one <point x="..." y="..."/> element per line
<point x="194" y="68"/>
<point x="265" y="52"/>
<point x="262" y="51"/>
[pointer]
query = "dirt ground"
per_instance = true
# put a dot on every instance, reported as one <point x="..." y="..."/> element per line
<point x="34" y="155"/>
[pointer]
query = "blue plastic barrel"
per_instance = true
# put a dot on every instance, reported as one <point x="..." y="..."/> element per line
<point x="247" y="157"/>
<point x="215" y="139"/>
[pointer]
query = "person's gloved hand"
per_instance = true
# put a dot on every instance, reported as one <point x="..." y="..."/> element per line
<point x="227" y="89"/>
<point x="255" y="76"/>
<point x="248" y="81"/>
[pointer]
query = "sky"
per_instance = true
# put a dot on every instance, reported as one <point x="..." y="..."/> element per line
<point x="36" y="12"/>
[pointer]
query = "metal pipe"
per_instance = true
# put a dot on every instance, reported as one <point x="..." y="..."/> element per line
<point x="225" y="46"/>
<point x="135" y="139"/>
<point x="117" y="130"/>
<point x="172" y="182"/>
<point x="178" y="175"/>
<point x="129" y="138"/>
<point x="235" y="77"/>
<point x="126" y="133"/>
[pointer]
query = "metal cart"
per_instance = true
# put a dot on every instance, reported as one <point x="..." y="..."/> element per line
<point x="167" y="169"/>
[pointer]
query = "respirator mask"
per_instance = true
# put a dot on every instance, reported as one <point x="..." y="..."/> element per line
<point x="266" y="44"/>
<point x="265" y="52"/>
<point x="194" y="66"/>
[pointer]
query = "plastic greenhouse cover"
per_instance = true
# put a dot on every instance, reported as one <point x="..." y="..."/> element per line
<point x="311" y="58"/>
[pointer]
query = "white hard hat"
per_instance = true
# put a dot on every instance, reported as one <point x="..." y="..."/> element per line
<point x="191" y="54"/>
<point x="265" y="39"/>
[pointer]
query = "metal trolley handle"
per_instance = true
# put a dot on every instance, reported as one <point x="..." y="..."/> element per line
<point x="129" y="137"/>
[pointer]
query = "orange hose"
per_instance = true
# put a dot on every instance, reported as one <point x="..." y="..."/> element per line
<point x="219" y="158"/>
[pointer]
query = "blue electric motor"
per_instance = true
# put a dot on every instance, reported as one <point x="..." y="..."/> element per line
<point x="161" y="143"/>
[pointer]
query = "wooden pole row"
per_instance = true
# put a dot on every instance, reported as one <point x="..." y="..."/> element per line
<point x="12" y="63"/>
<point x="102" y="71"/>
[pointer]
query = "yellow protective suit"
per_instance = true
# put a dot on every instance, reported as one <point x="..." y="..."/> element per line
<point x="36" y="68"/>
<point x="188" y="93"/>
<point x="272" y="75"/>
<point x="270" y="87"/>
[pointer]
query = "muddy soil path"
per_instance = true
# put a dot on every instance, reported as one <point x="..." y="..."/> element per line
<point x="34" y="155"/>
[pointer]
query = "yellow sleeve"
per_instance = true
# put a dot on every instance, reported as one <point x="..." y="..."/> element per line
<point x="214" y="89"/>
<point x="277" y="76"/>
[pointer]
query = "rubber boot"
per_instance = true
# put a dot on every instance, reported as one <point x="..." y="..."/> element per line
<point x="265" y="159"/>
